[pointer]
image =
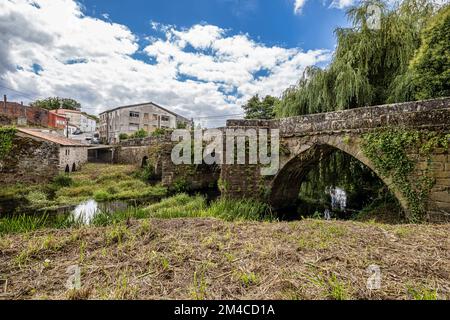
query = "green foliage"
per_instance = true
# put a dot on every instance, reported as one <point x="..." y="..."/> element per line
<point x="148" y="172"/>
<point x="366" y="62"/>
<point x="63" y="180"/>
<point x="158" y="132"/>
<point x="431" y="66"/>
<point x="260" y="109"/>
<point x="141" y="133"/>
<point x="180" y="185"/>
<point x="181" y="125"/>
<point x="56" y="103"/>
<point x="423" y="293"/>
<point x="30" y="223"/>
<point x="179" y="206"/>
<point x="123" y="136"/>
<point x="244" y="209"/>
<point x="6" y="139"/>
<point x="387" y="149"/>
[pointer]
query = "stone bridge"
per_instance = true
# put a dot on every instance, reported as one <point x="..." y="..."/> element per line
<point x="424" y="189"/>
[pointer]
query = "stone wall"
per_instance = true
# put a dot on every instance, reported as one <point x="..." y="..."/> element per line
<point x="157" y="152"/>
<point x="34" y="115"/>
<point x="72" y="158"/>
<point x="29" y="160"/>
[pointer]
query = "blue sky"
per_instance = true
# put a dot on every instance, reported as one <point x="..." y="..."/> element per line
<point x="272" y="22"/>
<point x="200" y="58"/>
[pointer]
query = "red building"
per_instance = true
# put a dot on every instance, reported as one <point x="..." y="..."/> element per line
<point x="56" y="121"/>
<point x="25" y="115"/>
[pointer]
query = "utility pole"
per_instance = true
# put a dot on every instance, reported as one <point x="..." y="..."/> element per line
<point x="4" y="102"/>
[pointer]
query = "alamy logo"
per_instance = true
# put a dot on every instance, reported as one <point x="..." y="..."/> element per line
<point x="229" y="146"/>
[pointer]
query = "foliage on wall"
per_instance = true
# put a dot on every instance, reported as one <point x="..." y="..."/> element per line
<point x="392" y="152"/>
<point x="6" y="139"/>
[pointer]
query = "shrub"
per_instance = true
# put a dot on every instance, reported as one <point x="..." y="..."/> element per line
<point x="159" y="132"/>
<point x="63" y="180"/>
<point x="141" y="133"/>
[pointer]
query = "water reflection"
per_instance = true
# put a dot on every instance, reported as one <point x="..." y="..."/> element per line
<point x="86" y="211"/>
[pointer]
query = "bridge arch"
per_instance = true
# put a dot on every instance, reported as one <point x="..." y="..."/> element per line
<point x="285" y="186"/>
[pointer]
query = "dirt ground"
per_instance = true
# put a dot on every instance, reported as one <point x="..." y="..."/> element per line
<point x="213" y="259"/>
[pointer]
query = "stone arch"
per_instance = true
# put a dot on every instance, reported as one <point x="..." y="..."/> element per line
<point x="74" y="167"/>
<point x="67" y="169"/>
<point x="144" y="162"/>
<point x="286" y="184"/>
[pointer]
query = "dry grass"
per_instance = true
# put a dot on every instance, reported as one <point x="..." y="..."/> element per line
<point x="213" y="259"/>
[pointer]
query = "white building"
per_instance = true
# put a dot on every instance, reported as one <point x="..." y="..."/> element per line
<point x="129" y="119"/>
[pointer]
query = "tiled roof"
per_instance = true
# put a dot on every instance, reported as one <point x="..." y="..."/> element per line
<point x="52" y="138"/>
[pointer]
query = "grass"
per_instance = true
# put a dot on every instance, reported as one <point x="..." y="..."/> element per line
<point x="178" y="206"/>
<point x="102" y="182"/>
<point x="423" y="293"/>
<point x="29" y="223"/>
<point x="198" y="258"/>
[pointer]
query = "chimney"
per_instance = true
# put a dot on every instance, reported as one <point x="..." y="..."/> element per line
<point x="4" y="102"/>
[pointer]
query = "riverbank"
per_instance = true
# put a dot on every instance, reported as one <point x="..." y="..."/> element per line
<point x="199" y="258"/>
<point x="101" y="182"/>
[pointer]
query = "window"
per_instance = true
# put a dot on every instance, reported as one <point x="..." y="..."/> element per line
<point x="134" y="114"/>
<point x="165" y="118"/>
<point x="145" y="116"/>
<point x="155" y="117"/>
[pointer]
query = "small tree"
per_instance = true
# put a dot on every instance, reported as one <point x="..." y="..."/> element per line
<point x="431" y="65"/>
<point x="260" y="109"/>
<point x="141" y="133"/>
<point x="53" y="103"/>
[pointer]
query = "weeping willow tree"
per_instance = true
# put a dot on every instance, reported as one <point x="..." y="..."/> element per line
<point x="366" y="62"/>
<point x="370" y="66"/>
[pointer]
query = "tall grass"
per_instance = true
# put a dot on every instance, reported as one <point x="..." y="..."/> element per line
<point x="28" y="223"/>
<point x="183" y="206"/>
<point x="178" y="206"/>
<point x="245" y="209"/>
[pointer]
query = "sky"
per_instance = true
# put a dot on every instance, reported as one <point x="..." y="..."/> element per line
<point x="200" y="58"/>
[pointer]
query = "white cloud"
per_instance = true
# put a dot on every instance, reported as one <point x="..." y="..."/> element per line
<point x="341" y="4"/>
<point x="298" y="6"/>
<point x="201" y="71"/>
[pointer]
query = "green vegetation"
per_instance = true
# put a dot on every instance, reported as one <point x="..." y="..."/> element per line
<point x="6" y="138"/>
<point x="94" y="181"/>
<point x="428" y="75"/>
<point x="123" y="136"/>
<point x="178" y="206"/>
<point x="184" y="206"/>
<point x="368" y="63"/>
<point x="141" y="133"/>
<point x="158" y="132"/>
<point x="388" y="149"/>
<point x="53" y="103"/>
<point x="30" y="223"/>
<point x="260" y="109"/>
<point x="422" y="293"/>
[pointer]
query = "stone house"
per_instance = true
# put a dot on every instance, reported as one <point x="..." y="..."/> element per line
<point x="129" y="119"/>
<point x="38" y="156"/>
